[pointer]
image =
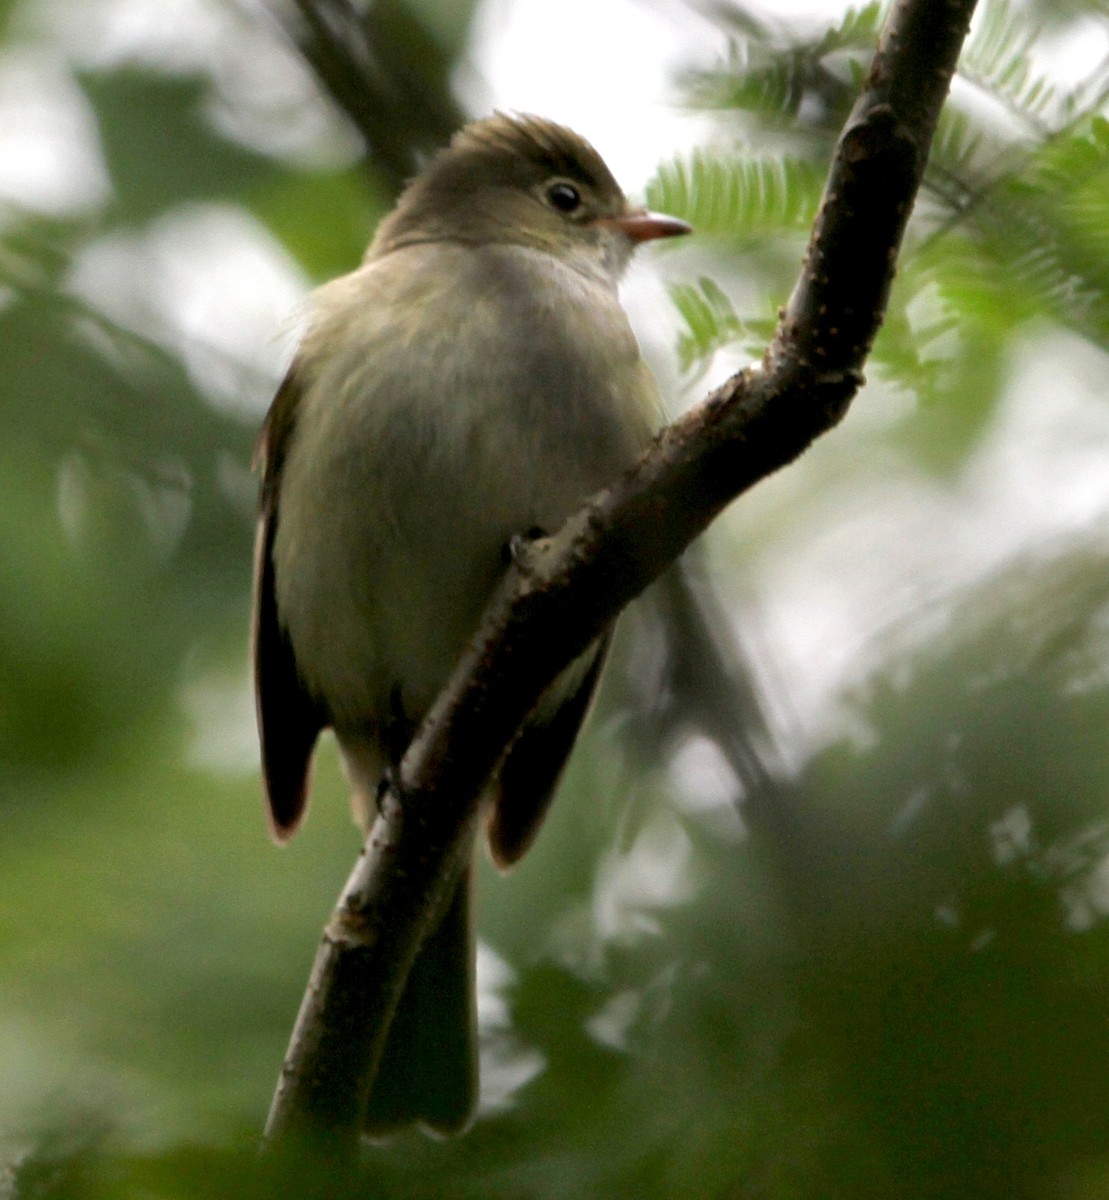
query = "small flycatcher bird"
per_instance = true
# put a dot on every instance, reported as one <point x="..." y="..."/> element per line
<point x="474" y="380"/>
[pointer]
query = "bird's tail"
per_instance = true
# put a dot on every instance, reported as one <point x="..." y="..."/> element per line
<point x="429" y="1071"/>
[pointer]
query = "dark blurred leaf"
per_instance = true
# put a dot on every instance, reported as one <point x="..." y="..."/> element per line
<point x="160" y="148"/>
<point x="385" y="71"/>
<point x="116" y="528"/>
<point x="325" y="220"/>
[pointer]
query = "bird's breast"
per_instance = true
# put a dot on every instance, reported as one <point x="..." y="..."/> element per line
<point x="452" y="398"/>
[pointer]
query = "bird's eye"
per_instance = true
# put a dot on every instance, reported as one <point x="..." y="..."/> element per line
<point x="564" y="196"/>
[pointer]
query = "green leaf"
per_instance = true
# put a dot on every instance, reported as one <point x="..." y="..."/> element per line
<point x="324" y="219"/>
<point x="771" y="74"/>
<point x="711" y="323"/>
<point x="739" y="197"/>
<point x="996" y="57"/>
<point x="160" y="148"/>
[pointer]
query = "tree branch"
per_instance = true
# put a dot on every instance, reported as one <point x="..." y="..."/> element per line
<point x="570" y="587"/>
<point x="384" y="71"/>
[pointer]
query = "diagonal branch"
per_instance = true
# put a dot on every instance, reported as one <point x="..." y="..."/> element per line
<point x="571" y="586"/>
<point x="383" y="70"/>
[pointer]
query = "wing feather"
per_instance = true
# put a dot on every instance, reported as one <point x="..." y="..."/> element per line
<point x="289" y="719"/>
<point x="529" y="776"/>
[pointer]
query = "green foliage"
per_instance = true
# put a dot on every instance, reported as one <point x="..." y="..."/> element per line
<point x="888" y="1000"/>
<point x="771" y="72"/>
<point x="159" y="149"/>
<point x="104" y="428"/>
<point x="887" y="981"/>
<point x="710" y="323"/>
<point x="319" y="217"/>
<point x="996" y="58"/>
<point x="738" y="197"/>
<point x="1015" y="223"/>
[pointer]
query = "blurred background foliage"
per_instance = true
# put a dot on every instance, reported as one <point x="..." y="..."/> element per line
<point x="870" y="958"/>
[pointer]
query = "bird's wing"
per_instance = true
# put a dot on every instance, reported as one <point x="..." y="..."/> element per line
<point x="529" y="776"/>
<point x="289" y="720"/>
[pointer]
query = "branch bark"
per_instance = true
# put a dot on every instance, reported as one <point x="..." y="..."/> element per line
<point x="571" y="586"/>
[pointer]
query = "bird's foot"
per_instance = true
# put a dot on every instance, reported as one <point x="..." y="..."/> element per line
<point x="517" y="547"/>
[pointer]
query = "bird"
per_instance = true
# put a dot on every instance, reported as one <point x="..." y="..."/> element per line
<point x="473" y="381"/>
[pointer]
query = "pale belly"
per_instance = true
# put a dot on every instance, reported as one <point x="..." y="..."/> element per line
<point x="403" y="485"/>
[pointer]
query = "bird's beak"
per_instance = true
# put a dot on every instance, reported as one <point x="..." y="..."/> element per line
<point x="645" y="226"/>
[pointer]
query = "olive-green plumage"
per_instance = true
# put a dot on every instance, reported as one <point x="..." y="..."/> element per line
<point x="476" y="378"/>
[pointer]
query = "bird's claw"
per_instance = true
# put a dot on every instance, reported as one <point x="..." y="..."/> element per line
<point x="516" y="550"/>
